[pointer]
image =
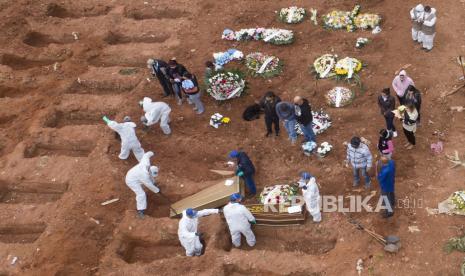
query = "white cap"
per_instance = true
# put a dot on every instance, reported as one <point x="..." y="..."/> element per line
<point x="419" y="8"/>
<point x="154" y="171"/>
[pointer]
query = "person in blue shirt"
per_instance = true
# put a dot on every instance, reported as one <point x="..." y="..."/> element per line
<point x="386" y="179"/>
<point x="245" y="169"/>
<point x="286" y="113"/>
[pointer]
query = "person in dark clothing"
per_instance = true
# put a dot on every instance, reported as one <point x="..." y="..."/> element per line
<point x="268" y="104"/>
<point x="387" y="104"/>
<point x="175" y="72"/>
<point x="413" y="96"/>
<point x="386" y="179"/>
<point x="409" y="123"/>
<point x="252" y="112"/>
<point x="245" y="169"/>
<point x="304" y="116"/>
<point x="159" y="68"/>
<point x="209" y="70"/>
<point x="385" y="143"/>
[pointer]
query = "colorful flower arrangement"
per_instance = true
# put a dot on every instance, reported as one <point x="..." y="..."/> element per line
<point x="340" y="96"/>
<point x="351" y="20"/>
<point x="262" y="65"/>
<point x="361" y="42"/>
<point x="225" y="85"/>
<point x="458" y="199"/>
<point x="324" y="149"/>
<point x="309" y="147"/>
<point x="278" y="36"/>
<point x="278" y="194"/>
<point x="324" y="66"/>
<point x="367" y="21"/>
<point x="337" y="20"/>
<point x="292" y="15"/>
<point x="273" y="36"/>
<point x="347" y="66"/>
<point x="328" y="66"/>
<point x="321" y="122"/>
<point x="222" y="58"/>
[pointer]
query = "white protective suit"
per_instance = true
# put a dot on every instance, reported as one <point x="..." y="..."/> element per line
<point x="312" y="198"/>
<point x="429" y="29"/>
<point x="416" y="15"/>
<point x="140" y="175"/>
<point x="129" y="139"/>
<point x="188" y="228"/>
<point x="157" y="111"/>
<point x="238" y="218"/>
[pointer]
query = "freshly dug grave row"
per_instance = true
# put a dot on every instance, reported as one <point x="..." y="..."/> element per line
<point x="150" y="13"/>
<point x="22" y="63"/>
<point x="59" y="118"/>
<point x="117" y="38"/>
<point x="55" y="10"/>
<point x="38" y="39"/>
<point x="77" y="149"/>
<point x="21" y="233"/>
<point x="140" y="251"/>
<point x="31" y="192"/>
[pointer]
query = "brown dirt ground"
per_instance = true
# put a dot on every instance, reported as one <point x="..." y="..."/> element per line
<point x="58" y="162"/>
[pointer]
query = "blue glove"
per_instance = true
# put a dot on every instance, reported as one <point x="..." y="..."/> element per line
<point x="253" y="222"/>
<point x="240" y="173"/>
<point x="106" y="120"/>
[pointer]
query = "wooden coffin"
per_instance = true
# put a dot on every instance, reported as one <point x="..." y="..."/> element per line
<point x="276" y="215"/>
<point x="214" y="196"/>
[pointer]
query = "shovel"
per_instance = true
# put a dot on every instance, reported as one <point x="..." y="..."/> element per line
<point x="391" y="243"/>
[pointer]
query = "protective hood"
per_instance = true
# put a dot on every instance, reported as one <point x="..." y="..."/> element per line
<point x="419" y="8"/>
<point x="433" y="11"/>
<point x="146" y="103"/>
<point x="131" y="124"/>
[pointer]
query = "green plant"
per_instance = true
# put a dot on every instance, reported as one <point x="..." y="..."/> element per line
<point x="455" y="244"/>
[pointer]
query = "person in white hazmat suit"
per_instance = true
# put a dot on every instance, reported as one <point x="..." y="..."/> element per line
<point x="188" y="230"/>
<point x="142" y="175"/>
<point x="428" y="29"/>
<point x="311" y="195"/>
<point x="239" y="220"/>
<point x="154" y="112"/>
<point x="129" y="141"/>
<point x="416" y="15"/>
